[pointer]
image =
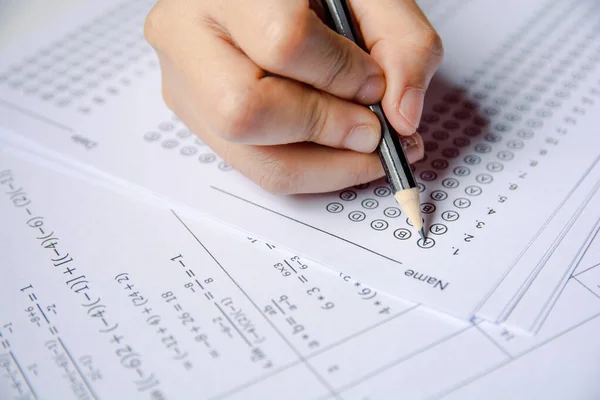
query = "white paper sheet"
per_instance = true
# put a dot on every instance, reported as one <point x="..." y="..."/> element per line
<point x="508" y="110"/>
<point x="542" y="272"/>
<point x="108" y="294"/>
<point x="530" y="313"/>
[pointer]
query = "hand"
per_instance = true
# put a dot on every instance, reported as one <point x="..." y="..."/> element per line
<point x="275" y="92"/>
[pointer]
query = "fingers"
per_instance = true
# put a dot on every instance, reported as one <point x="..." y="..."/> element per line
<point x="255" y="120"/>
<point x="275" y="110"/>
<point x="286" y="169"/>
<point x="241" y="104"/>
<point x="306" y="167"/>
<point x="408" y="48"/>
<point x="287" y="38"/>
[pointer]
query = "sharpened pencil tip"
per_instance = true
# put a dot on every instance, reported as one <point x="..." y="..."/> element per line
<point x="422" y="233"/>
<point x="409" y="201"/>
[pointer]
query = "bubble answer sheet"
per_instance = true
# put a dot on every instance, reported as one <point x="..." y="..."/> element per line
<point x="509" y="129"/>
<point x="108" y="294"/>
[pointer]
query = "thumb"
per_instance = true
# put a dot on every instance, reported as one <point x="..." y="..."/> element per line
<point x="405" y="44"/>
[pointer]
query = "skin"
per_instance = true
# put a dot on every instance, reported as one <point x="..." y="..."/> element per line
<point x="280" y="96"/>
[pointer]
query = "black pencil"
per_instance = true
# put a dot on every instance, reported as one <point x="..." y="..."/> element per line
<point x="391" y="153"/>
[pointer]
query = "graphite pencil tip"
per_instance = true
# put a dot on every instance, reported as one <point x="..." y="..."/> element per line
<point x="422" y="233"/>
<point x="409" y="201"/>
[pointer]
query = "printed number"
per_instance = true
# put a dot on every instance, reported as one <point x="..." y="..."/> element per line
<point x="313" y="291"/>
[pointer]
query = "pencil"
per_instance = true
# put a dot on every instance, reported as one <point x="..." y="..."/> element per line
<point x="395" y="164"/>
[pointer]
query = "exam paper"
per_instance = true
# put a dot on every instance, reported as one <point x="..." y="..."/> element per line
<point x="508" y="111"/>
<point x="566" y="236"/>
<point x="111" y="294"/>
<point x="530" y="313"/>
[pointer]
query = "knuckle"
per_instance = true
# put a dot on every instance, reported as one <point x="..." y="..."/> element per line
<point x="433" y="43"/>
<point x="236" y="115"/>
<point x="153" y="24"/>
<point x="341" y="64"/>
<point x="278" y="177"/>
<point x="285" y="38"/>
<point x="316" y="119"/>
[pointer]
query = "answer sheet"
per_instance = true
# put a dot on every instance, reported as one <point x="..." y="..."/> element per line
<point x="508" y="129"/>
<point x="115" y="295"/>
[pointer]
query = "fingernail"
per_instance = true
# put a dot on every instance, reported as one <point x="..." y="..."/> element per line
<point x="413" y="147"/>
<point x="408" y="142"/>
<point x="363" y="138"/>
<point x="411" y="106"/>
<point x="372" y="90"/>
